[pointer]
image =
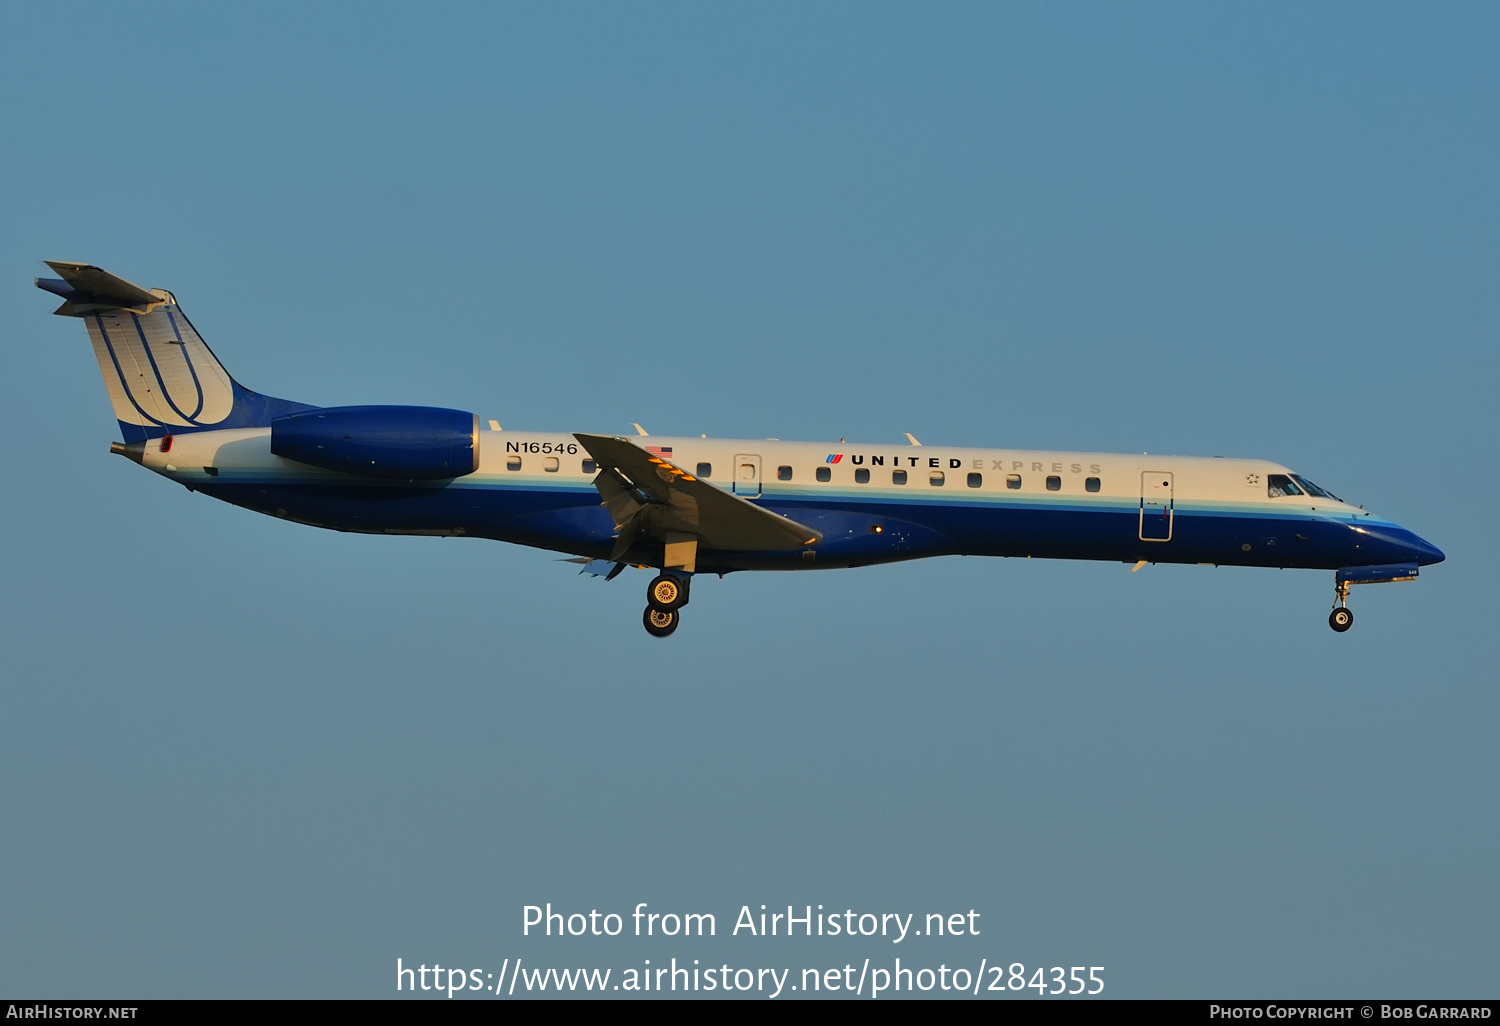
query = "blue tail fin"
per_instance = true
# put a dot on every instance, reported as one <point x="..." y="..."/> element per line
<point x="161" y="376"/>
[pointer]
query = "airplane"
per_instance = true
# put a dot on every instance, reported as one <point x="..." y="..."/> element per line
<point x="688" y="506"/>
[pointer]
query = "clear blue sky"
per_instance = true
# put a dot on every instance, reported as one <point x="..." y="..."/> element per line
<point x="247" y="758"/>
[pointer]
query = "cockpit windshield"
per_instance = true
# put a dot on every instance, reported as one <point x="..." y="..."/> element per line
<point x="1279" y="485"/>
<point x="1312" y="489"/>
<point x="1282" y="485"/>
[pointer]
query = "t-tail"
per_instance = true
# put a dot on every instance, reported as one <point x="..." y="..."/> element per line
<point x="161" y="376"/>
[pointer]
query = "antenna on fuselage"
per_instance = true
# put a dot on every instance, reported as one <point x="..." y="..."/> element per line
<point x="912" y="438"/>
<point x="641" y="431"/>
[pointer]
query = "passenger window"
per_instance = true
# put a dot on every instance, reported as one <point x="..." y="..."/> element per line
<point x="783" y="473"/>
<point x="513" y="463"/>
<point x="1013" y="481"/>
<point x="1091" y="484"/>
<point x="705" y="470"/>
<point x="1054" y="483"/>
<point x="550" y="464"/>
<point x="1279" y="485"/>
<point x="590" y="467"/>
<point x="935" y="478"/>
<point x="862" y="475"/>
<point x="975" y="480"/>
<point x="824" y="474"/>
<point x="898" y="477"/>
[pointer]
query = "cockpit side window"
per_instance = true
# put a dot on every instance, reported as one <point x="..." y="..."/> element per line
<point x="1312" y="489"/>
<point x="1279" y="485"/>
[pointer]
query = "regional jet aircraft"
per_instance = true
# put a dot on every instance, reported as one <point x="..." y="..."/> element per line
<point x="687" y="506"/>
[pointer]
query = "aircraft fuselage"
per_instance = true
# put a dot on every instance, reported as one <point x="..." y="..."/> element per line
<point x="537" y="489"/>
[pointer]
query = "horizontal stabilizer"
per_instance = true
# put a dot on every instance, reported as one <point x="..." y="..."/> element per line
<point x="88" y="289"/>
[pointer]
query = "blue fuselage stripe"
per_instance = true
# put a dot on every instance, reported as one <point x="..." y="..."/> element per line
<point x="857" y="529"/>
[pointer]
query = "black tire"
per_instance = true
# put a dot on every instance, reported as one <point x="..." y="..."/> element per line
<point x="660" y="622"/>
<point x="1341" y="619"/>
<point x="666" y="593"/>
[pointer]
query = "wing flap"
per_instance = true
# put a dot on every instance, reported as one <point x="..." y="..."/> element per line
<point x="648" y="496"/>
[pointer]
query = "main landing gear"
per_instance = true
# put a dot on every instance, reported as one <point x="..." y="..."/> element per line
<point x="1341" y="619"/>
<point x="660" y="622"/>
<point x="664" y="599"/>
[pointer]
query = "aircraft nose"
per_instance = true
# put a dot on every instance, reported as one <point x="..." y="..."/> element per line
<point x="1395" y="544"/>
<point x="1427" y="553"/>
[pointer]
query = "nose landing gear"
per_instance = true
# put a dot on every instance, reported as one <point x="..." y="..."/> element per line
<point x="665" y="598"/>
<point x="1341" y="619"/>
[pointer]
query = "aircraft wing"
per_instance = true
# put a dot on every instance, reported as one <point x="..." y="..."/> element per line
<point x="648" y="497"/>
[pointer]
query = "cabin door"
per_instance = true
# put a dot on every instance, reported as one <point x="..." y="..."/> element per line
<point x="747" y="476"/>
<point x="1156" y="505"/>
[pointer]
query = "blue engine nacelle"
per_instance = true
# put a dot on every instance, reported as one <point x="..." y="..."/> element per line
<point x="420" y="443"/>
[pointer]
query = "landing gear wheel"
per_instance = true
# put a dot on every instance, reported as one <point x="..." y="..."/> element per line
<point x="1341" y="619"/>
<point x="666" y="592"/>
<point x="660" y="622"/>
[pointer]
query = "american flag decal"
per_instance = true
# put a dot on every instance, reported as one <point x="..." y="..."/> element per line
<point x="664" y="451"/>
